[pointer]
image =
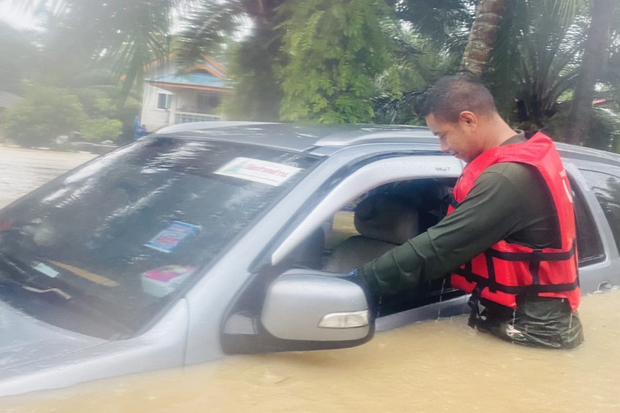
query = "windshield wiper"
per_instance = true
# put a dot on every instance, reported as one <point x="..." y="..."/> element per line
<point x="26" y="283"/>
<point x="49" y="290"/>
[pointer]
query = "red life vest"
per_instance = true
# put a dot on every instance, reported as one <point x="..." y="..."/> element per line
<point x="507" y="269"/>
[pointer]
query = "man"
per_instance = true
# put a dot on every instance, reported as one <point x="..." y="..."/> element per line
<point x="509" y="237"/>
<point x="139" y="130"/>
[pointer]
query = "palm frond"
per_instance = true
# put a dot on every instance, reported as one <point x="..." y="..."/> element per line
<point x="206" y="27"/>
<point x="567" y="10"/>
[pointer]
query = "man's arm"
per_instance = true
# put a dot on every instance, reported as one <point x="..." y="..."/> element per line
<point x="487" y="215"/>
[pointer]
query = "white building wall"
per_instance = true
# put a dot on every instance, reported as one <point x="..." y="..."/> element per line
<point x="152" y="117"/>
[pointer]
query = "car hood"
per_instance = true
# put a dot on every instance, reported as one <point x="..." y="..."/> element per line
<point x="25" y="340"/>
<point x="37" y="356"/>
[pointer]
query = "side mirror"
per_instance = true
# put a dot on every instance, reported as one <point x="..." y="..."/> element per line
<point x="299" y="310"/>
<point x="312" y="306"/>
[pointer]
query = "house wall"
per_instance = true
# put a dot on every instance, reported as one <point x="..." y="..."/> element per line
<point x="152" y="117"/>
<point x="187" y="100"/>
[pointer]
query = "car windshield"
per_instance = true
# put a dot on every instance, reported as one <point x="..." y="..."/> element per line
<point x="120" y="235"/>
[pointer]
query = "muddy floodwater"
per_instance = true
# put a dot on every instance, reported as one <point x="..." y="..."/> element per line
<point x="439" y="366"/>
<point x="23" y="170"/>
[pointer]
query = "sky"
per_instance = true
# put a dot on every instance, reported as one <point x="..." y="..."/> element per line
<point x="19" y="20"/>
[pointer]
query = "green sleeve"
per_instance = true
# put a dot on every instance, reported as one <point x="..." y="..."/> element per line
<point x="487" y="215"/>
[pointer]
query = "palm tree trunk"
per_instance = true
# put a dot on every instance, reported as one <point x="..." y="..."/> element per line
<point x="483" y="36"/>
<point x="596" y="48"/>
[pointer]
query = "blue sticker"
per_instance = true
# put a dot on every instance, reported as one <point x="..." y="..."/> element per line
<point x="170" y="238"/>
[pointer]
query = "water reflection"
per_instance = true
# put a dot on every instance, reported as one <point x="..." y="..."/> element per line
<point x="437" y="366"/>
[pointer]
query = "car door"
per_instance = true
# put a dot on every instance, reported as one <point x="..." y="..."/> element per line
<point x="597" y="206"/>
<point x="341" y="188"/>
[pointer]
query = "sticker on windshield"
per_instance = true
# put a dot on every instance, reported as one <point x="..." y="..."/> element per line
<point x="47" y="270"/>
<point x="163" y="280"/>
<point x="256" y="170"/>
<point x="170" y="238"/>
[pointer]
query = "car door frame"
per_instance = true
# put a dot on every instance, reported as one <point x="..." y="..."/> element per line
<point x="384" y="170"/>
<point x="597" y="276"/>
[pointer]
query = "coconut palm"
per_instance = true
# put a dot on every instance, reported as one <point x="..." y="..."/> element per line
<point x="483" y="35"/>
<point x="125" y="34"/>
<point x="595" y="53"/>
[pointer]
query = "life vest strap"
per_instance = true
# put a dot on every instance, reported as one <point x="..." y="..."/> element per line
<point x="536" y="255"/>
<point x="534" y="289"/>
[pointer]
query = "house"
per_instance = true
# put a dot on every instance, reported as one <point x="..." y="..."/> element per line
<point x="172" y="96"/>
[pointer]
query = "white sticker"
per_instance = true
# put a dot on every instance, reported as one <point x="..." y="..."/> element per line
<point x="265" y="172"/>
<point x="49" y="271"/>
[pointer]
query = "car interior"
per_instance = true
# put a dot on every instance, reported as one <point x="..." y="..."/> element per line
<point x="372" y="225"/>
<point x="362" y="230"/>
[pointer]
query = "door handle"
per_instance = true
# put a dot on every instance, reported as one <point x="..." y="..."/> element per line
<point x="606" y="286"/>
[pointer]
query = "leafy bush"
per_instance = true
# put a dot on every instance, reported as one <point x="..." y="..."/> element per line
<point x="42" y="115"/>
<point x="101" y="129"/>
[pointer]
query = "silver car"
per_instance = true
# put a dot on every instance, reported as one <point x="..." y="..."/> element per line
<point x="212" y="239"/>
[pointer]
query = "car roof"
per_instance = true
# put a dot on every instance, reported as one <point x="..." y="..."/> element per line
<point x="306" y="138"/>
<point x="300" y="138"/>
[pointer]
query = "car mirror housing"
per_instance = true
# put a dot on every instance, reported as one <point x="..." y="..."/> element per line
<point x="313" y="306"/>
<point x="301" y="310"/>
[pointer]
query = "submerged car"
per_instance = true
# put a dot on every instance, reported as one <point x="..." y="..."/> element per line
<point x="219" y="238"/>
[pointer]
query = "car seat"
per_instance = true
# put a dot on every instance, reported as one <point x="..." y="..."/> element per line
<point x="309" y="254"/>
<point x="384" y="221"/>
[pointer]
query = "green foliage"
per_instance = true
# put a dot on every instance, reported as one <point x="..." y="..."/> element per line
<point x="101" y="129"/>
<point x="42" y="115"/>
<point x="101" y="102"/>
<point x="534" y="64"/>
<point x="604" y="128"/>
<point x="335" y="50"/>
<point x="254" y="62"/>
<point x="19" y="53"/>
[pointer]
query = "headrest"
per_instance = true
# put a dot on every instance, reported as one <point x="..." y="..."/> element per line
<point x="388" y="218"/>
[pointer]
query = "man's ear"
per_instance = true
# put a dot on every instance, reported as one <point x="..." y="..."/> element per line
<point x="468" y="119"/>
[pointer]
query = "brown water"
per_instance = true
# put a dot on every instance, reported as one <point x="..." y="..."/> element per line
<point x="440" y="366"/>
<point x="23" y="170"/>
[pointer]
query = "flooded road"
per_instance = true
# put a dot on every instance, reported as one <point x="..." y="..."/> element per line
<point x="23" y="170"/>
<point x="440" y="366"/>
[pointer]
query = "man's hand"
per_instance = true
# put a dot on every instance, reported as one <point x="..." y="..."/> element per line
<point x="374" y="300"/>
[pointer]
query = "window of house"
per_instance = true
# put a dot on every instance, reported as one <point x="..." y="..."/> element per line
<point x="207" y="103"/>
<point x="164" y="100"/>
<point x="606" y="187"/>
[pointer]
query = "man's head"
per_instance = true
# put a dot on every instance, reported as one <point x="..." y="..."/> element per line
<point x="462" y="113"/>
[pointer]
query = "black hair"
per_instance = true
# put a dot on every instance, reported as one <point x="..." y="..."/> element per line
<point x="452" y="95"/>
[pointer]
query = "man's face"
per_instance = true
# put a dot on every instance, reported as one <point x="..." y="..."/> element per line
<point x="457" y="138"/>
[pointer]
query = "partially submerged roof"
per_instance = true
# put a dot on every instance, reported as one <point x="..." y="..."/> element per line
<point x="301" y="138"/>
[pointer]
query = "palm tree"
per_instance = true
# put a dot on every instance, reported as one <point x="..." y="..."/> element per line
<point x="124" y="34"/>
<point x="483" y="35"/>
<point x="596" y="50"/>
<point x="486" y="26"/>
<point x="21" y="48"/>
<point x="253" y="61"/>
